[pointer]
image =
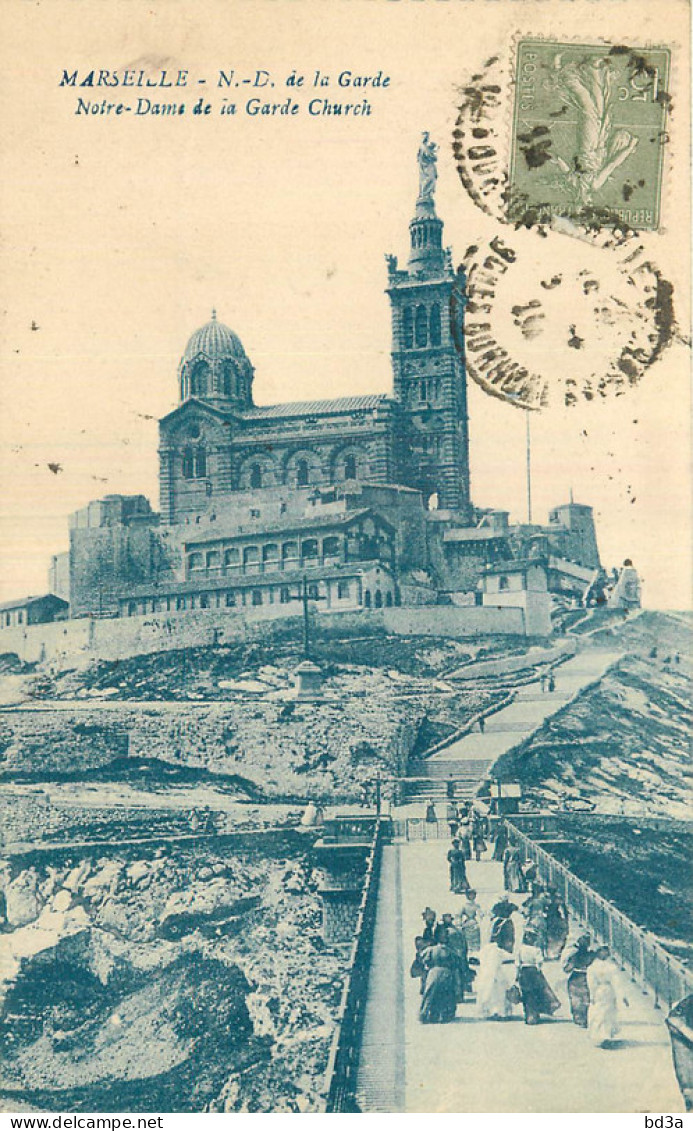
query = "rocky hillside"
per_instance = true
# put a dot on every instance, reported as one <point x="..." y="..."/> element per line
<point x="154" y="984"/>
<point x="625" y="745"/>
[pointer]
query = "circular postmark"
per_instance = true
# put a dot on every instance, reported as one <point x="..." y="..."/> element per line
<point x="537" y="327"/>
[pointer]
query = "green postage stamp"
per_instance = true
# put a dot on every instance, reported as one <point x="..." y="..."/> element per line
<point x="588" y="132"/>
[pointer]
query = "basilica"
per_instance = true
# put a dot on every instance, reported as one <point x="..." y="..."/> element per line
<point x="364" y="499"/>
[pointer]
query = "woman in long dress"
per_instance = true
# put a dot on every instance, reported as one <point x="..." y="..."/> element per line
<point x="537" y="996"/>
<point x="458" y="869"/>
<point x="606" y="994"/>
<point x="469" y="921"/>
<point x="494" y="978"/>
<point x="439" y="998"/>
<point x="576" y="962"/>
<point x="557" y="925"/>
<point x="512" y="870"/>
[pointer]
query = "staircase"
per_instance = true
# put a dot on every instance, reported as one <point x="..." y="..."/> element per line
<point x="431" y="779"/>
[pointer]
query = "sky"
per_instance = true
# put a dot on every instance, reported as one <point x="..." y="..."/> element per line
<point x="122" y="232"/>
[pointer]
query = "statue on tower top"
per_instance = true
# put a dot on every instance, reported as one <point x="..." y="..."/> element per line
<point x="428" y="171"/>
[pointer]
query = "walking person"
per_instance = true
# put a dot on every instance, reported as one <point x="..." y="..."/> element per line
<point x="536" y="994"/>
<point x="552" y="682"/>
<point x="458" y="869"/>
<point x="464" y="836"/>
<point x="429" y="917"/>
<point x="417" y="968"/>
<point x="605" y="988"/>
<point x="557" y="924"/>
<point x="478" y="842"/>
<point x="469" y="921"/>
<point x="493" y="981"/>
<point x="439" y="997"/>
<point x="503" y="924"/>
<point x="577" y="960"/>
<point x="513" y="879"/>
<point x="501" y="840"/>
<point x="536" y="912"/>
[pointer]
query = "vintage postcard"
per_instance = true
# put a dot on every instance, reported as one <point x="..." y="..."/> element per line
<point x="345" y="558"/>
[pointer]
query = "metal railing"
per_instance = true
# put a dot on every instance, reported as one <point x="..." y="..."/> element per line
<point x="343" y="1065"/>
<point x="637" y="950"/>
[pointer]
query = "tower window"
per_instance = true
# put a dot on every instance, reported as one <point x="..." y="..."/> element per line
<point x="188" y="464"/>
<point x="198" y="381"/>
<point x="350" y="467"/>
<point x="200" y="463"/>
<point x="302" y="473"/>
<point x="435" y="326"/>
<point x="408" y="327"/>
<point x="421" y="327"/>
<point x="423" y="390"/>
<point x="255" y="476"/>
<point x="270" y="552"/>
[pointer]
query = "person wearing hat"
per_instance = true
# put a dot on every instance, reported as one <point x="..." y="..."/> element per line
<point x="429" y="917"/>
<point x="577" y="959"/>
<point x="458" y="869"/>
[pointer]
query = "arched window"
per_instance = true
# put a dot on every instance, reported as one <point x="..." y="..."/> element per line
<point x="435" y="328"/>
<point x="230" y="600"/>
<point x="289" y="551"/>
<point x="421" y="327"/>
<point x="195" y="561"/>
<point x="132" y="609"/>
<point x="232" y="558"/>
<point x="227" y="381"/>
<point x="255" y="476"/>
<point x="251" y="556"/>
<point x="200" y="463"/>
<point x="378" y="599"/>
<point x="331" y="547"/>
<point x="367" y="598"/>
<point x="388" y="600"/>
<point x="204" y="601"/>
<point x="302" y="473"/>
<point x="257" y="596"/>
<point x="270" y="552"/>
<point x="198" y="380"/>
<point x="350" y="467"/>
<point x="423" y="390"/>
<point x="188" y="464"/>
<point x="213" y="559"/>
<point x="309" y="548"/>
<point x="408" y="327"/>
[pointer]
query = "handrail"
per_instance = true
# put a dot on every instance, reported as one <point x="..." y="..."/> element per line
<point x="638" y="950"/>
<point x="343" y="1064"/>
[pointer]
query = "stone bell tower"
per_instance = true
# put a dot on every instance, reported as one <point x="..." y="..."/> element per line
<point x="430" y="379"/>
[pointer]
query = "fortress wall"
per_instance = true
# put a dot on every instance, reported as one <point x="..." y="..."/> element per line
<point x="455" y="621"/>
<point x="67" y="644"/>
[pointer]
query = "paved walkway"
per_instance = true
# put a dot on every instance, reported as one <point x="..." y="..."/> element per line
<point x="530" y="709"/>
<point x="474" y="1065"/>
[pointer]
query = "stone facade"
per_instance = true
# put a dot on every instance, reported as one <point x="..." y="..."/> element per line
<point x="366" y="497"/>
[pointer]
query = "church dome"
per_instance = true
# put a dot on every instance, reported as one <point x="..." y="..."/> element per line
<point x="214" y="341"/>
